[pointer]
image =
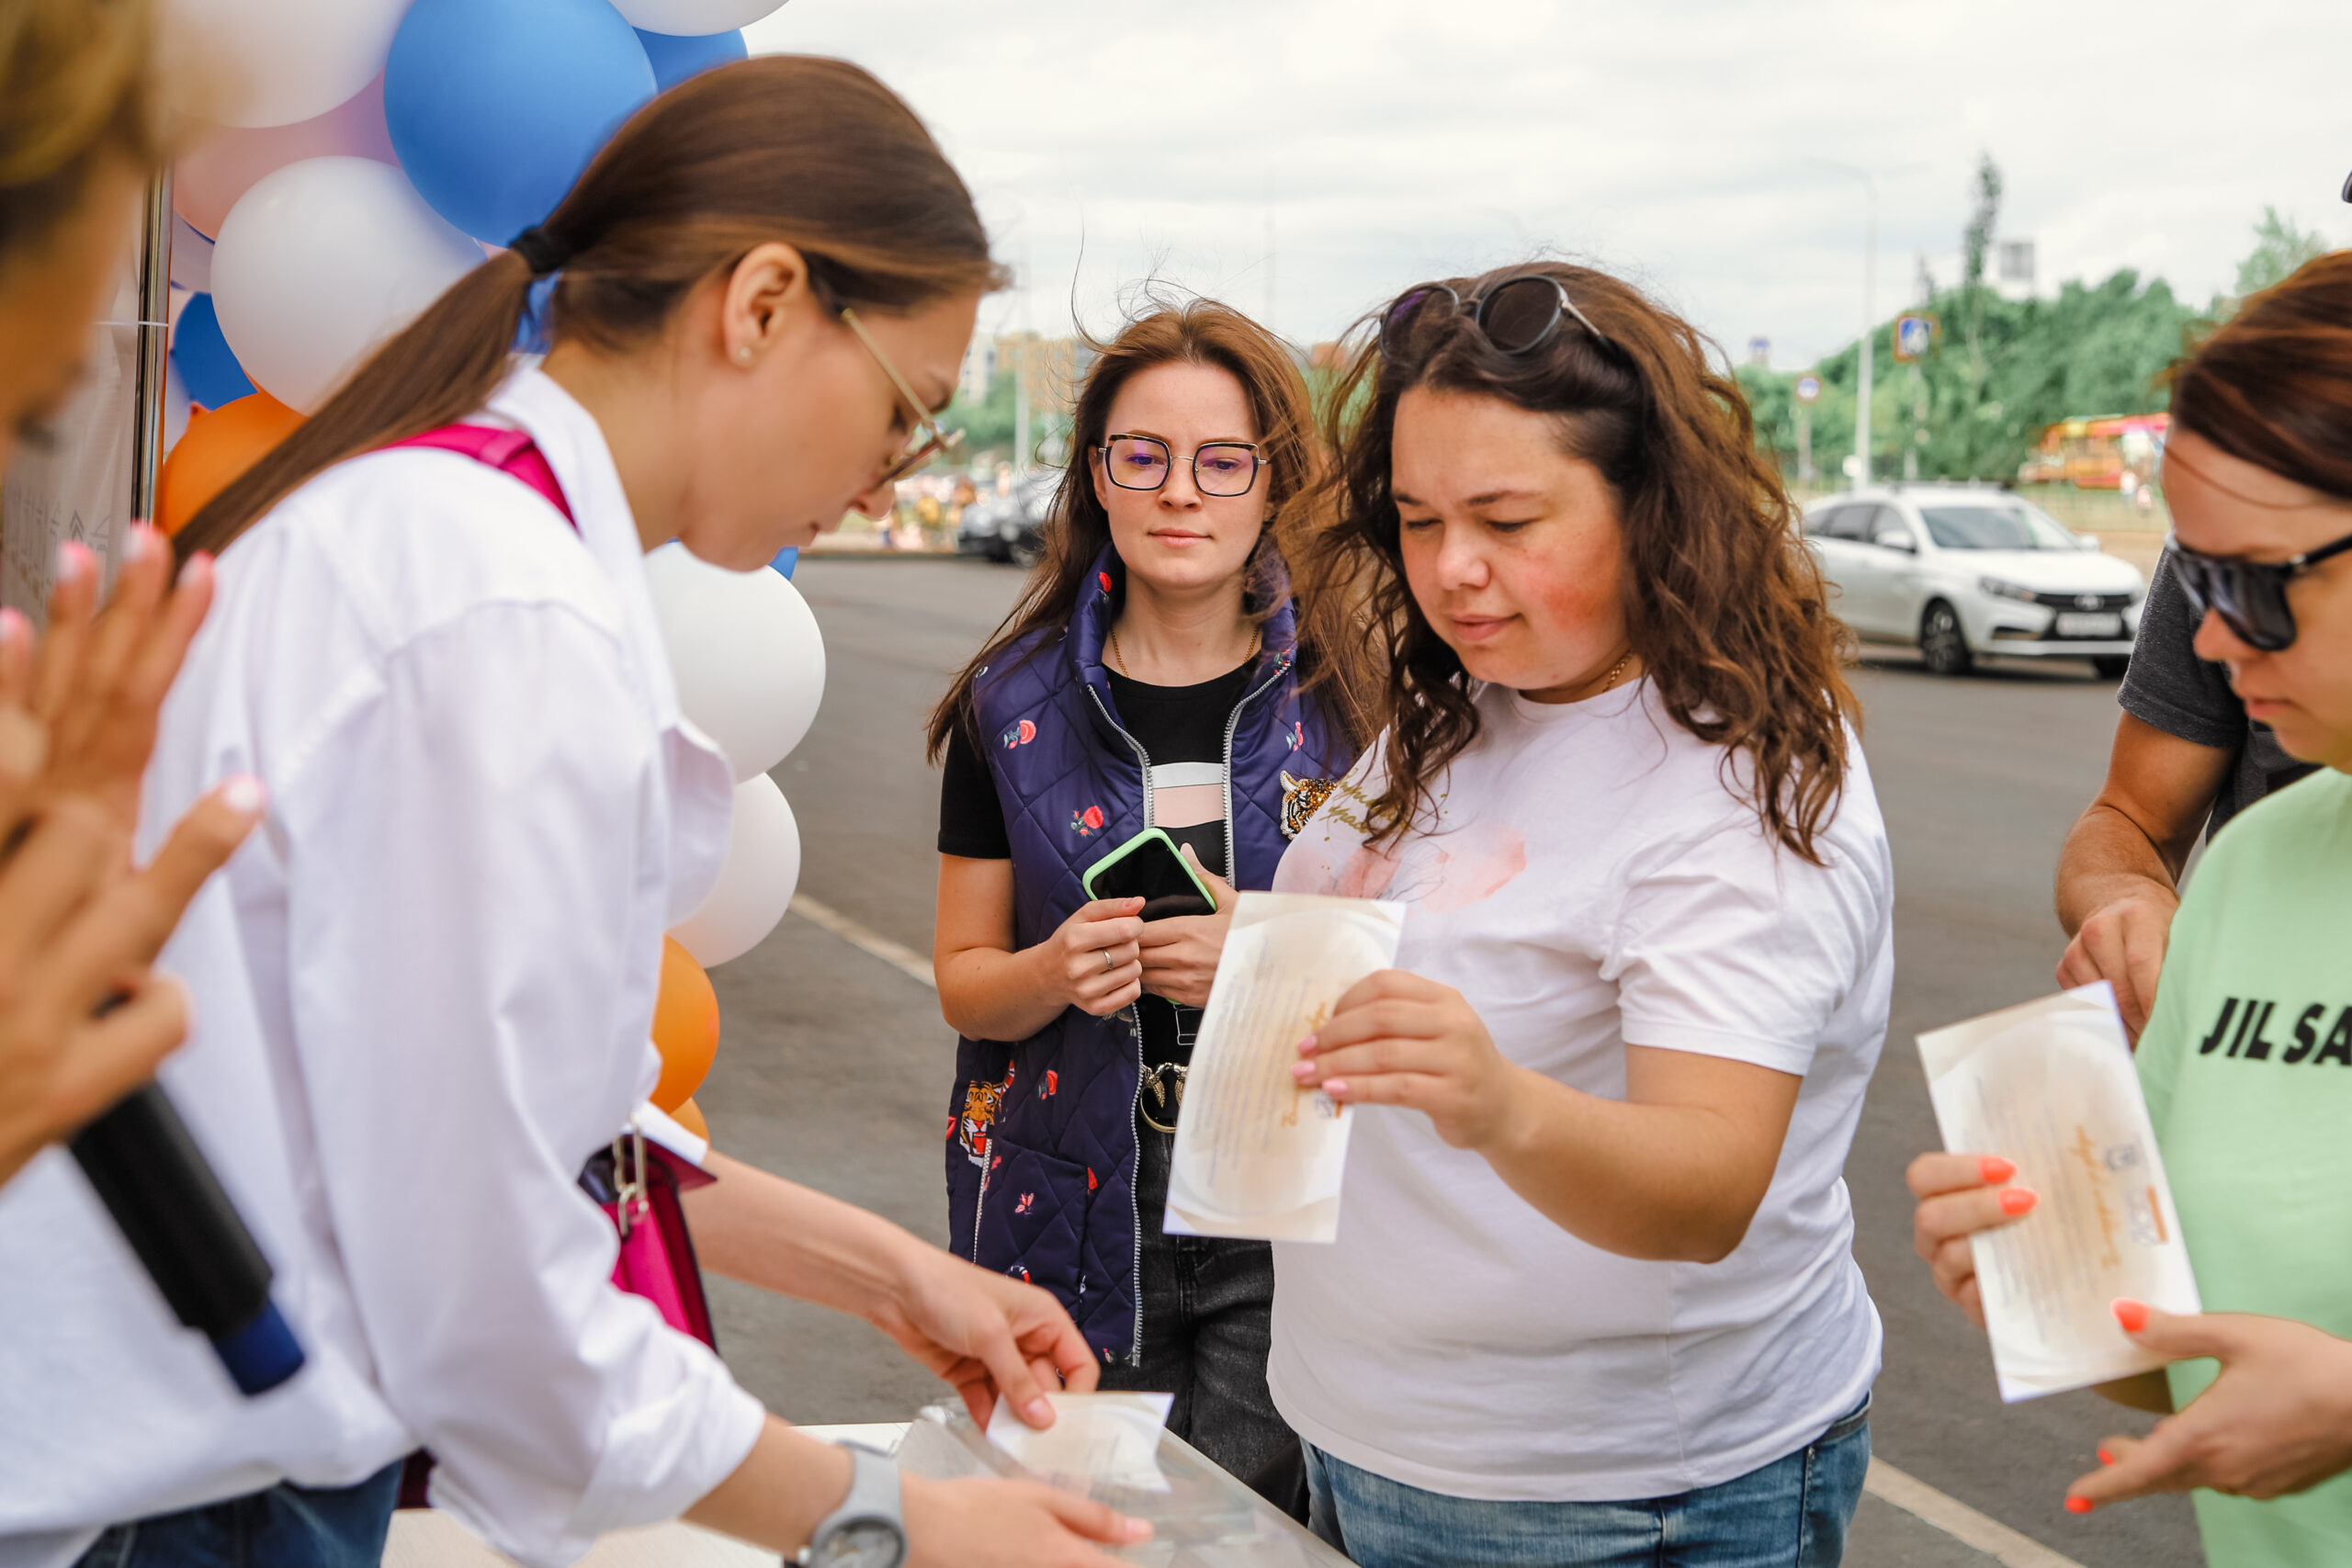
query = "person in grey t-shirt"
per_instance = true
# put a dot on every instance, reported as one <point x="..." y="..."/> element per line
<point x="2185" y="759"/>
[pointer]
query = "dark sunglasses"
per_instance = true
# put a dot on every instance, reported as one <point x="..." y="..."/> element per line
<point x="1517" y="316"/>
<point x="2250" y="596"/>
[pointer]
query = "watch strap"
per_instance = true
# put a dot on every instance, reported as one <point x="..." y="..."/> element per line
<point x="874" y="1498"/>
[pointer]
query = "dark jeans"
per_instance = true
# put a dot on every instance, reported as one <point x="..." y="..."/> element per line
<point x="1208" y="1305"/>
<point x="286" y="1526"/>
<point x="1792" y="1513"/>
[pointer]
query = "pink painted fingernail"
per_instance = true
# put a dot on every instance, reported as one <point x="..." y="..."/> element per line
<point x="2018" y="1200"/>
<point x="1995" y="1169"/>
<point x="1137" y="1530"/>
<point x="1337" y="1089"/>
<point x="138" y="542"/>
<point x="2079" y="1504"/>
<point x="1302" y="1071"/>
<point x="244" y="792"/>
<point x="1040" y="1412"/>
<point x="72" y="559"/>
<point x="1307" y="1046"/>
<point x="13" y="625"/>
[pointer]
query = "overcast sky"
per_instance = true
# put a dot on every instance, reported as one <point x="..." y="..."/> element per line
<point x="1678" y="141"/>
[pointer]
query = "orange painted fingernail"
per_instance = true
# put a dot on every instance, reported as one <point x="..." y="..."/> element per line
<point x="2106" y="1458"/>
<point x="2132" y="1314"/>
<point x="2018" y="1200"/>
<point x="2079" y="1504"/>
<point x="1995" y="1169"/>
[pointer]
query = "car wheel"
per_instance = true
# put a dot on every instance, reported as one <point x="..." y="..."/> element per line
<point x="2111" y="666"/>
<point x="1942" y="644"/>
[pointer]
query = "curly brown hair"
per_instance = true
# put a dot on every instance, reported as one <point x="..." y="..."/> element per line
<point x="1725" y="607"/>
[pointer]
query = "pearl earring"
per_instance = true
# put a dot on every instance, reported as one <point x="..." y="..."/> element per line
<point x="745" y="353"/>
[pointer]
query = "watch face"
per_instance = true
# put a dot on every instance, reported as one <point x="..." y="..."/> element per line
<point x="864" y="1543"/>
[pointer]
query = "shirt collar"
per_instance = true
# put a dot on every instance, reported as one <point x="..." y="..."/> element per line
<point x="568" y="436"/>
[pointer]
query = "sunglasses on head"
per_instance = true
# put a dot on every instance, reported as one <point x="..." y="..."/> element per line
<point x="2250" y="596"/>
<point x="1518" y="315"/>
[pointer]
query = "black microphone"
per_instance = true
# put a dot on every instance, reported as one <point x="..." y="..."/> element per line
<point x="161" y="1192"/>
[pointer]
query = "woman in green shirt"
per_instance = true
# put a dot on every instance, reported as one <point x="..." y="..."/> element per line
<point x="2247" y="1058"/>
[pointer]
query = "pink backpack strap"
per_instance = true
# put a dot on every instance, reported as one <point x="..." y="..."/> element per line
<point x="511" y="452"/>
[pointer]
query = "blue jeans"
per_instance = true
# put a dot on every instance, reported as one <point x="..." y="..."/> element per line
<point x="286" y="1526"/>
<point x="1792" y="1513"/>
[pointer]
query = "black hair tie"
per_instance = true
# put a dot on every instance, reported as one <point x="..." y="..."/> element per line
<point x="543" y="254"/>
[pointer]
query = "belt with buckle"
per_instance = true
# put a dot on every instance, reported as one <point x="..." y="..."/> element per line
<point x="1165" y="1085"/>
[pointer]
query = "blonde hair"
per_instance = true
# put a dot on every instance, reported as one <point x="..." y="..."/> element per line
<point x="78" y="82"/>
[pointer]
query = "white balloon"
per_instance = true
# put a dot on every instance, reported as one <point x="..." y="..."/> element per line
<point x="321" y="262"/>
<point x="176" y="407"/>
<point x="755" y="886"/>
<point x="693" y="19"/>
<point x="749" y="660"/>
<point x="281" y="61"/>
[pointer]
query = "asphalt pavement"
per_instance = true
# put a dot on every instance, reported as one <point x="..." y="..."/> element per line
<point x="833" y="1065"/>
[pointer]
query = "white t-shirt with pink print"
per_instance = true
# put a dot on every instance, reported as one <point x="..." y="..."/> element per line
<point x="1593" y="879"/>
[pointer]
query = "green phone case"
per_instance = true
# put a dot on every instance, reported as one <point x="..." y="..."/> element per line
<point x="1124" y="850"/>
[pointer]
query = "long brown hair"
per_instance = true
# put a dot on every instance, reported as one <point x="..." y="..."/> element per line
<point x="813" y="153"/>
<point x="1725" y="607"/>
<point x="1198" y="332"/>
<point x="2272" y="386"/>
<point x="78" y="84"/>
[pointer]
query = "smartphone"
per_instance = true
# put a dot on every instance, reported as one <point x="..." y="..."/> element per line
<point x="1149" y="867"/>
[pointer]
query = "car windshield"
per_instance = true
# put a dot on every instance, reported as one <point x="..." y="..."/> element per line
<point x="1993" y="526"/>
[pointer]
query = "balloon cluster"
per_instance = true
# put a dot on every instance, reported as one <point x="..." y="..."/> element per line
<point x="374" y="152"/>
<point x="371" y="151"/>
<point x="750" y="665"/>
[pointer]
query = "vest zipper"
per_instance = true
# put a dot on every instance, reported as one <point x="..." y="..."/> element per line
<point x="1233" y="723"/>
<point x="980" y="1206"/>
<point x="1135" y="1032"/>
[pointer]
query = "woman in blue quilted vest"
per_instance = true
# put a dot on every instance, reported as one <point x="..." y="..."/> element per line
<point x="1151" y="676"/>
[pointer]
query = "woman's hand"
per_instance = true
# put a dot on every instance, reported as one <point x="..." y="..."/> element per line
<point x="1396" y="1039"/>
<point x="986" y="1523"/>
<point x="1180" y="953"/>
<point x="2279" y="1419"/>
<point x="1093" y="961"/>
<point x="1959" y="1196"/>
<point x="988" y="1335"/>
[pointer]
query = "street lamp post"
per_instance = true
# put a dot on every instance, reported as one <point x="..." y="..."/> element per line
<point x="1869" y="313"/>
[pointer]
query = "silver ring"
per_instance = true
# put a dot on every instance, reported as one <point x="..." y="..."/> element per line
<point x="1107" y="964"/>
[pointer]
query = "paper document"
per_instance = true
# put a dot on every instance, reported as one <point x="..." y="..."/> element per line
<point x="1113" y="1438"/>
<point x="2050" y="1085"/>
<point x="1257" y="1156"/>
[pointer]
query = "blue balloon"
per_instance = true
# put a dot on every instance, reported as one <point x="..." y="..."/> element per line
<point x="675" y="59"/>
<point x="211" y="370"/>
<point x="787" y="559"/>
<point x="496" y="106"/>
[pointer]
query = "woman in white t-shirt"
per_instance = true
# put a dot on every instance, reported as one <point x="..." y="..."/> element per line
<point x="1593" y="1296"/>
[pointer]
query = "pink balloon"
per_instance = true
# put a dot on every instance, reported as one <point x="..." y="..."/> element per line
<point x="224" y="166"/>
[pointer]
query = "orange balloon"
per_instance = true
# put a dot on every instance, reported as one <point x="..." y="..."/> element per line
<point x="217" y="446"/>
<point x="685" y="1027"/>
<point x="689" y="1116"/>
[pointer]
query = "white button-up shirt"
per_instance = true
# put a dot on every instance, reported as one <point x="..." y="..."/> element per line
<point x="422" y="994"/>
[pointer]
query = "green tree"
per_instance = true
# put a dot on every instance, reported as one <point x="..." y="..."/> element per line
<point x="2279" y="249"/>
<point x="986" y="422"/>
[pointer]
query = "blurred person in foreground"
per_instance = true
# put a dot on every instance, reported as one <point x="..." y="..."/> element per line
<point x="2246" y="1060"/>
<point x="81" y="129"/>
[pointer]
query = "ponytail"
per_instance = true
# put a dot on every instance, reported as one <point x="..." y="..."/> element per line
<point x="815" y="153"/>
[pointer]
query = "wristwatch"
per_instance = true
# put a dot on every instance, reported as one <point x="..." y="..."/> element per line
<point x="867" y="1530"/>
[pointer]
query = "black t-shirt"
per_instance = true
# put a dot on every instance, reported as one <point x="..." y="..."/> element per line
<point x="2169" y="687"/>
<point x="1175" y="726"/>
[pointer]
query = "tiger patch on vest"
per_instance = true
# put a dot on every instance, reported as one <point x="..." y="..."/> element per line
<point x="1302" y="798"/>
<point x="982" y="1100"/>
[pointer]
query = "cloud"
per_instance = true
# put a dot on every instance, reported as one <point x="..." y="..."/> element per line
<point x="1379" y="143"/>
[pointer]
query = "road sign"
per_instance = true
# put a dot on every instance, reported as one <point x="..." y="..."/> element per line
<point x="1808" y="388"/>
<point x="1914" y="335"/>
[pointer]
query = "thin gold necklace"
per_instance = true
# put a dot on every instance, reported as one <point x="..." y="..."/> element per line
<point x="1119" y="663"/>
<point x="1619" y="669"/>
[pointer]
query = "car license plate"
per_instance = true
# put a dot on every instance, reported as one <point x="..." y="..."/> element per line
<point x="2090" y="625"/>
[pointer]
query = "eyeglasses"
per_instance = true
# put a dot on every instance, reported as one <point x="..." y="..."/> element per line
<point x="1144" y="462"/>
<point x="1517" y="316"/>
<point x="2250" y="596"/>
<point x="928" y="440"/>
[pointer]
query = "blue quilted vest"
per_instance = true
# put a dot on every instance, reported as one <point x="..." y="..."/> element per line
<point x="1041" y="1132"/>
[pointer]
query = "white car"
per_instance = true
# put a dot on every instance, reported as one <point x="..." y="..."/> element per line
<point x="1967" y="571"/>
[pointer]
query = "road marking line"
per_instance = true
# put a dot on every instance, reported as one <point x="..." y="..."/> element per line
<point x="1957" y="1519"/>
<point x="1906" y="1491"/>
<point x="904" y="960"/>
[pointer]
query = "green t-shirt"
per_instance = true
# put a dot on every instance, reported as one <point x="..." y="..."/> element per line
<point x="2247" y="1067"/>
